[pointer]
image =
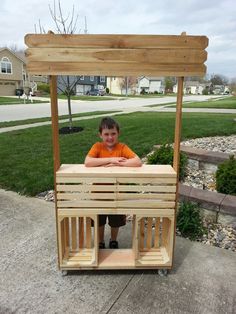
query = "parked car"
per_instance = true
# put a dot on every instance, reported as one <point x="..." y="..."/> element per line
<point x="96" y="92"/>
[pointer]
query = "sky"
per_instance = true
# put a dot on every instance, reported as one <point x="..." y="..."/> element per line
<point x="215" y="19"/>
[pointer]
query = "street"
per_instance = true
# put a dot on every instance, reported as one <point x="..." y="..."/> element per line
<point x="40" y="110"/>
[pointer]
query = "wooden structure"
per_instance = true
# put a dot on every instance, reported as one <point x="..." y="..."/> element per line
<point x="148" y="193"/>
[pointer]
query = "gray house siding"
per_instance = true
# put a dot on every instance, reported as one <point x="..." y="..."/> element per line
<point x="82" y="84"/>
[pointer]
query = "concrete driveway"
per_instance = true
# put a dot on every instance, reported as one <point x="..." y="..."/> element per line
<point x="203" y="279"/>
<point x="30" y="111"/>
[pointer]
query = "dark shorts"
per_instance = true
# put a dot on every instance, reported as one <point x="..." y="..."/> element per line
<point x="113" y="220"/>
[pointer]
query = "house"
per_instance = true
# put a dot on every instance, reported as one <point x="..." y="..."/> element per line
<point x="122" y="85"/>
<point x="191" y="87"/>
<point x="11" y="74"/>
<point x="87" y="83"/>
<point x="81" y="84"/>
<point x="114" y="85"/>
<point x="150" y="84"/>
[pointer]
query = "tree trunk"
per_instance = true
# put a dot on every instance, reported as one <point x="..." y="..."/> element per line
<point x="69" y="108"/>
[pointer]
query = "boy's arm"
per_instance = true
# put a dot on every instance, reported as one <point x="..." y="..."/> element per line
<point x="97" y="162"/>
<point x="132" y="162"/>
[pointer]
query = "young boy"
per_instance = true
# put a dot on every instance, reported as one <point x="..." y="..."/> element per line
<point x="110" y="153"/>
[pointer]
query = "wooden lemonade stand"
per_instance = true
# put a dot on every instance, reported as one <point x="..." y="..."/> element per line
<point x="149" y="193"/>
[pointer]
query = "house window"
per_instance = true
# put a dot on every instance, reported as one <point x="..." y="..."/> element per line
<point x="91" y="78"/>
<point x="102" y="79"/>
<point x="82" y="78"/>
<point x="6" y="66"/>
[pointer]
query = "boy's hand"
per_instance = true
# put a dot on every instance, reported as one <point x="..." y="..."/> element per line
<point x="116" y="161"/>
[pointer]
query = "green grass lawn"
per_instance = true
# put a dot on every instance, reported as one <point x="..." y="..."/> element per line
<point x="26" y="155"/>
<point x="14" y="101"/>
<point x="29" y="121"/>
<point x="225" y="103"/>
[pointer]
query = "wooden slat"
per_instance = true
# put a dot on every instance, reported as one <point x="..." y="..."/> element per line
<point x="66" y="229"/>
<point x="157" y="212"/>
<point x="126" y="203"/>
<point x="73" y="233"/>
<point x="88" y="196"/>
<point x="80" y="252"/>
<point x="119" y="188"/>
<point x="88" y="233"/>
<point x="117" y="69"/>
<point x="149" y="252"/>
<point x="146" y="56"/>
<point x="86" y="188"/>
<point x="156" y="237"/>
<point x="167" y="235"/>
<point x="146" y="204"/>
<point x="62" y="178"/>
<point x="80" y="258"/>
<point x="146" y="188"/>
<point x="80" y="171"/>
<point x="115" y="41"/>
<point x="160" y="178"/>
<point x="81" y="232"/>
<point x="151" y="196"/>
<point x="113" y="196"/>
<point x="62" y="241"/>
<point x="152" y="258"/>
<point x="149" y="232"/>
<point x="142" y="234"/>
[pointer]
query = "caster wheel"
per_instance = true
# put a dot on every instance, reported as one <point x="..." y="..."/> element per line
<point x="64" y="273"/>
<point x="162" y="272"/>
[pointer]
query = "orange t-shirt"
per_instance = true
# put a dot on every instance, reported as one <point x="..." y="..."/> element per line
<point x="99" y="150"/>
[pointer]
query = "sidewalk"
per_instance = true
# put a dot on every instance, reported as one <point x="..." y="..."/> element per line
<point x="161" y="108"/>
<point x="203" y="279"/>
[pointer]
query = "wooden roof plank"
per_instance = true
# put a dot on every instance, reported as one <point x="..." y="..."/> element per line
<point x="117" y="69"/>
<point x="115" y="41"/>
<point x="158" y="55"/>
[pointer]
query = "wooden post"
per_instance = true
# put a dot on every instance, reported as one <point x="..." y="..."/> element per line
<point x="178" y="126"/>
<point x="55" y="142"/>
<point x="55" y="129"/>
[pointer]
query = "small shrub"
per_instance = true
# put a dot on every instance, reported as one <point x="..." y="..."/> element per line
<point x="226" y="177"/>
<point x="44" y="88"/>
<point x="189" y="221"/>
<point x="164" y="156"/>
<point x="107" y="90"/>
<point x="205" y="91"/>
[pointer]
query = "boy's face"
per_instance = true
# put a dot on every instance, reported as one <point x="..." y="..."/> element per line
<point x="109" y="137"/>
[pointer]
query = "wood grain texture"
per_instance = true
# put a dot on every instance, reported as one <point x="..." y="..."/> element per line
<point x="121" y="41"/>
<point x="147" y="56"/>
<point x="115" y="69"/>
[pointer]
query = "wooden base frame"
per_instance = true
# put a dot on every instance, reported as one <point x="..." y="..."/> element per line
<point x="151" y="247"/>
<point x="147" y="193"/>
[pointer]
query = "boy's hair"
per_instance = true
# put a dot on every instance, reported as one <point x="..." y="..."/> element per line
<point x="108" y="123"/>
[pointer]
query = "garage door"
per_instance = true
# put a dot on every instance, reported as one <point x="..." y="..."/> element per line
<point x="7" y="88"/>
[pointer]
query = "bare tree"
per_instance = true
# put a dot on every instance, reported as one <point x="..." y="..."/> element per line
<point x="127" y="82"/>
<point x="65" y="24"/>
